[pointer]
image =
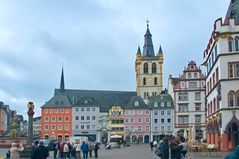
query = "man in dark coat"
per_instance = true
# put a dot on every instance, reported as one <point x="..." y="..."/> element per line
<point x="234" y="154"/>
<point x="176" y="148"/>
<point x="41" y="152"/>
<point x="164" y="149"/>
<point x="85" y="149"/>
<point x="96" y="148"/>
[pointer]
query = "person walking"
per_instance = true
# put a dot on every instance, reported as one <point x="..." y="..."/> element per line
<point x="15" y="151"/>
<point x="78" y="150"/>
<point x="41" y="152"/>
<point x="176" y="148"/>
<point x="96" y="148"/>
<point x="164" y="149"/>
<point x="85" y="149"/>
<point x="91" y="147"/>
<point x="185" y="147"/>
<point x="151" y="145"/>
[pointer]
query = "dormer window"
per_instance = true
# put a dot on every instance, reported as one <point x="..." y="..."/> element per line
<point x="162" y="104"/>
<point x="86" y="101"/>
<point x="155" y="104"/>
<point x="136" y="103"/>
<point x="168" y="104"/>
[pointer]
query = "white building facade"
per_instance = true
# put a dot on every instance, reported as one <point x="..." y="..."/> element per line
<point x="221" y="58"/>
<point x="188" y="92"/>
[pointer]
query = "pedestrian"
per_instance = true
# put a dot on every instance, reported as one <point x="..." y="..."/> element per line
<point x="78" y="150"/>
<point x="85" y="149"/>
<point x="164" y="149"/>
<point x="70" y="150"/>
<point x="34" y="146"/>
<point x="91" y="147"/>
<point x="151" y="145"/>
<point x="176" y="148"/>
<point x="96" y="148"/>
<point x="54" y="146"/>
<point x="65" y="150"/>
<point x="8" y="154"/>
<point x="61" y="150"/>
<point x="41" y="151"/>
<point x="233" y="154"/>
<point x="73" y="151"/>
<point x="15" y="151"/>
<point x="185" y="147"/>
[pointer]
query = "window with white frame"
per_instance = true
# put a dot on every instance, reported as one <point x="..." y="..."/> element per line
<point x="169" y="128"/>
<point x="77" y="109"/>
<point x="139" y="120"/>
<point x="162" y="104"/>
<point x="131" y="120"/>
<point x="183" y="96"/>
<point x="62" y="110"/>
<point x="82" y="109"/>
<point x="168" y="112"/>
<point x="67" y="110"/>
<point x="93" y="117"/>
<point x="88" y="127"/>
<point x="139" y="128"/>
<point x="46" y="119"/>
<point x="45" y="110"/>
<point x="155" y="121"/>
<point x="76" y="117"/>
<point x="147" y="112"/>
<point x="198" y="106"/>
<point x="197" y="96"/>
<point x="155" y="112"/>
<point x="162" y="112"/>
<point x="46" y="127"/>
<point x="82" y="127"/>
<point x="126" y="120"/>
<point x="147" y="120"/>
<point x="136" y="103"/>
<point x="53" y="118"/>
<point x="88" y="118"/>
<point x="197" y="119"/>
<point x="66" y="127"/>
<point x="67" y="119"/>
<point x="139" y="112"/>
<point x="59" y="127"/>
<point x="146" y="128"/>
<point x="155" y="104"/>
<point x="88" y="109"/>
<point x="183" y="107"/>
<point x="93" y="109"/>
<point x="53" y="127"/>
<point x="56" y="110"/>
<point x="162" y="128"/>
<point x="76" y="127"/>
<point x="168" y="104"/>
<point x="82" y="118"/>
<point x="59" y="118"/>
<point x="155" y="128"/>
<point x="51" y="110"/>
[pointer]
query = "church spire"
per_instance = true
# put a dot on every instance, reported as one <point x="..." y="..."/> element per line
<point x="233" y="11"/>
<point x="148" y="49"/>
<point x="160" y="50"/>
<point x="139" y="51"/>
<point x="62" y="84"/>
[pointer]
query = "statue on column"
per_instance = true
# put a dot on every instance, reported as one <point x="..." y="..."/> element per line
<point x="30" y="114"/>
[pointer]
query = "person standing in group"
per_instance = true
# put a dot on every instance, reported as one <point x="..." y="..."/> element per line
<point x="85" y="149"/>
<point x="54" y="146"/>
<point x="65" y="150"/>
<point x="15" y="151"/>
<point x="96" y="148"/>
<point x="91" y="147"/>
<point x="164" y="148"/>
<point x="176" y="148"/>
<point x="61" y="150"/>
<point x="41" y="152"/>
<point x="185" y="147"/>
<point x="78" y="150"/>
<point x="34" y="146"/>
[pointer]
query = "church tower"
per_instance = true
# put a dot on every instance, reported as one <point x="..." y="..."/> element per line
<point x="149" y="69"/>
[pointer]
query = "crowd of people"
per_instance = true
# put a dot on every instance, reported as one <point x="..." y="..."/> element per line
<point x="178" y="147"/>
<point x="61" y="150"/>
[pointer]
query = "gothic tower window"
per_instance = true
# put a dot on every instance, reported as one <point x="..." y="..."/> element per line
<point x="144" y="81"/>
<point x="154" y="70"/>
<point x="155" y="81"/>
<point x="237" y="98"/>
<point x="237" y="43"/>
<point x="231" y="99"/>
<point x="145" y="68"/>
<point x="230" y="44"/>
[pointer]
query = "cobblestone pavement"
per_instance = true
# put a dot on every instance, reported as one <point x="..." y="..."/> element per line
<point x="141" y="151"/>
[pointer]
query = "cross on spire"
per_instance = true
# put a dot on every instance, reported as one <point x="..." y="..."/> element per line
<point x="147" y="23"/>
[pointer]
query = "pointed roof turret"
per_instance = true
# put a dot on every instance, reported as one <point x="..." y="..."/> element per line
<point x="62" y="84"/>
<point x="160" y="50"/>
<point x="138" y="52"/>
<point x="148" y="49"/>
<point x="233" y="11"/>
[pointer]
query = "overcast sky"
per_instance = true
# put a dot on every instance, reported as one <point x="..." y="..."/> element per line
<point x="96" y="40"/>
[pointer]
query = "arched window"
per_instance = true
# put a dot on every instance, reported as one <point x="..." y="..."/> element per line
<point x="237" y="43"/>
<point x="237" y="98"/>
<point x="146" y="68"/>
<point x="231" y="99"/>
<point x="155" y="81"/>
<point x="154" y="70"/>
<point x="144" y="81"/>
<point x="230" y="44"/>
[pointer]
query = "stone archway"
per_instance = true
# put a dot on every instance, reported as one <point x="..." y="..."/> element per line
<point x="232" y="131"/>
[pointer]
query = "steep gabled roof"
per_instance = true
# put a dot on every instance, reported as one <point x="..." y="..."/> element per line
<point x="59" y="100"/>
<point x="148" y="48"/>
<point x="233" y="11"/>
